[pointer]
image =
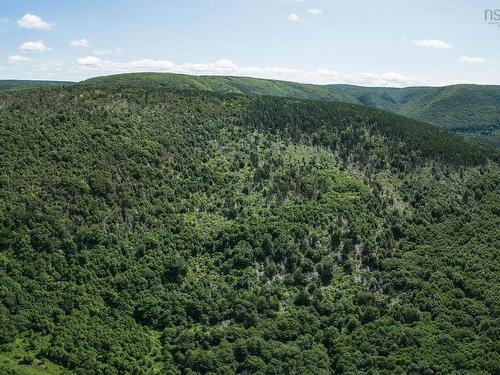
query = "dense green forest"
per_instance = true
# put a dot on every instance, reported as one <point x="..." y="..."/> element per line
<point x="154" y="230"/>
<point x="469" y="110"/>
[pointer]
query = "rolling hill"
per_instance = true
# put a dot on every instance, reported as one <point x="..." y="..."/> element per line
<point x="470" y="110"/>
<point x="150" y="229"/>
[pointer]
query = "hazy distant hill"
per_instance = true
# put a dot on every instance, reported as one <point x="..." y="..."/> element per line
<point x="14" y="84"/>
<point x="471" y="110"/>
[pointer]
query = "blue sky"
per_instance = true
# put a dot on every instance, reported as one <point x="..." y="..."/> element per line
<point x="376" y="43"/>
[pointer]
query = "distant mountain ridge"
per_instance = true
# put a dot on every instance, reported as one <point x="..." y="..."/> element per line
<point x="15" y="84"/>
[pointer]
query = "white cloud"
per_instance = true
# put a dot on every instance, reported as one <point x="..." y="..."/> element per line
<point x="228" y="67"/>
<point x="37" y="46"/>
<point x="293" y="17"/>
<point x="315" y="12"/>
<point x="14" y="59"/>
<point x="30" y="21"/>
<point x="146" y="64"/>
<point x="92" y="61"/>
<point x="432" y="43"/>
<point x="133" y="65"/>
<point x="471" y="60"/>
<point x="79" y="43"/>
<point x="383" y="79"/>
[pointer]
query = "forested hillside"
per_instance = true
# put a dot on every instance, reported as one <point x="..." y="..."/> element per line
<point x="470" y="110"/>
<point x="150" y="230"/>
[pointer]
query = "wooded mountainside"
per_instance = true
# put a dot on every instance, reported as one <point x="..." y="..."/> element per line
<point x="154" y="230"/>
